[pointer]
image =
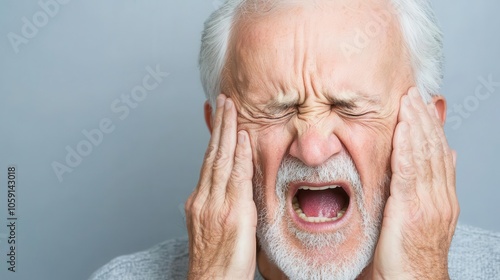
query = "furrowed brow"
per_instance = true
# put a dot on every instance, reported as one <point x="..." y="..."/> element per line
<point x="352" y="101"/>
<point x="343" y="103"/>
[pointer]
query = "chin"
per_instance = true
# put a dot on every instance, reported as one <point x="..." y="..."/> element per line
<point x="317" y="224"/>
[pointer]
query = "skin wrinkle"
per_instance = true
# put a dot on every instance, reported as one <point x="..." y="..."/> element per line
<point x="241" y="105"/>
<point x="308" y="113"/>
<point x="259" y="73"/>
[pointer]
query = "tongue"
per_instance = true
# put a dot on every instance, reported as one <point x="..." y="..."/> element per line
<point x="325" y="203"/>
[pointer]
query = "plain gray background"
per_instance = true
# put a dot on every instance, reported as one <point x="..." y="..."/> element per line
<point x="125" y="195"/>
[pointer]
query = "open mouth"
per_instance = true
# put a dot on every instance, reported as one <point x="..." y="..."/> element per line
<point x="320" y="204"/>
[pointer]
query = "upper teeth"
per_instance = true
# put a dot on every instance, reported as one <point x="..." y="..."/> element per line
<point x="318" y="188"/>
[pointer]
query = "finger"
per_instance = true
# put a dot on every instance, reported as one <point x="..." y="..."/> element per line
<point x="240" y="183"/>
<point x="440" y="159"/>
<point x="417" y="138"/>
<point x="437" y="189"/>
<point x="403" y="170"/>
<point x="426" y="114"/>
<point x="446" y="155"/>
<point x="447" y="152"/>
<point x="223" y="162"/>
<point x="213" y="145"/>
<point x="428" y="125"/>
<point x="240" y="191"/>
<point x="449" y="206"/>
<point x="436" y="130"/>
<point x="432" y="142"/>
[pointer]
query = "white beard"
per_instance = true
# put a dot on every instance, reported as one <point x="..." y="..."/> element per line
<point x="299" y="263"/>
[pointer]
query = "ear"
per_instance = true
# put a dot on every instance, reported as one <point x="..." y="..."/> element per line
<point x="208" y="115"/>
<point x="440" y="104"/>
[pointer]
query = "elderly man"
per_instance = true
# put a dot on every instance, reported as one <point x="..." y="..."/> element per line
<point x="327" y="157"/>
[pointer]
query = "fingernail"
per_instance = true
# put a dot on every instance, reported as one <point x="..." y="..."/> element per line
<point x="220" y="101"/>
<point x="229" y="104"/>
<point x="241" y="137"/>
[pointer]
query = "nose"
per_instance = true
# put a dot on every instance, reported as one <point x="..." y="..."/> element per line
<point x="313" y="146"/>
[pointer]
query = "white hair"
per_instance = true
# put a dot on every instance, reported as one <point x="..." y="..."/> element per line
<point x="422" y="38"/>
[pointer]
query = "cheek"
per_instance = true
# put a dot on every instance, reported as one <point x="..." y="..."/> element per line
<point x="269" y="146"/>
<point x="371" y="152"/>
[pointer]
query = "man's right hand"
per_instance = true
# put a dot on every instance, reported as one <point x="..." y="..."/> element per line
<point x="221" y="216"/>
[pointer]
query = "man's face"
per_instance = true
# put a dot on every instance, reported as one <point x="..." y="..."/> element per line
<point x="319" y="116"/>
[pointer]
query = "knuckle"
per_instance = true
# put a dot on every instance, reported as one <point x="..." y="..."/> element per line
<point x="425" y="151"/>
<point x="405" y="145"/>
<point x="447" y="214"/>
<point x="221" y="159"/>
<point x="239" y="174"/>
<point x="435" y="145"/>
<point x="209" y="153"/>
<point x="429" y="148"/>
<point x="407" y="170"/>
<point x="242" y="155"/>
<point x="196" y="207"/>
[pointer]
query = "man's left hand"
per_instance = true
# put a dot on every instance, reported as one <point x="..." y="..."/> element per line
<point x="422" y="210"/>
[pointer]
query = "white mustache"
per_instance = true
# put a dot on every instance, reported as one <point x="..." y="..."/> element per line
<point x="338" y="168"/>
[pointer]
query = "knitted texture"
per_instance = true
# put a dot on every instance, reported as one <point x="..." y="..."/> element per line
<point x="474" y="254"/>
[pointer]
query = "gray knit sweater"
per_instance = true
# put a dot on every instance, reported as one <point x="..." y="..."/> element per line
<point x="474" y="254"/>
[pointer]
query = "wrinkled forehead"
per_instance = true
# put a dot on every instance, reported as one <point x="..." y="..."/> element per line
<point x="335" y="42"/>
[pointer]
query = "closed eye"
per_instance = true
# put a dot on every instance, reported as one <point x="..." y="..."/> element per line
<point x="355" y="115"/>
<point x="273" y="116"/>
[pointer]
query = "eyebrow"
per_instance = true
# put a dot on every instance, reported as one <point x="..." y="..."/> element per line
<point x="352" y="102"/>
<point x="343" y="103"/>
<point x="276" y="106"/>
